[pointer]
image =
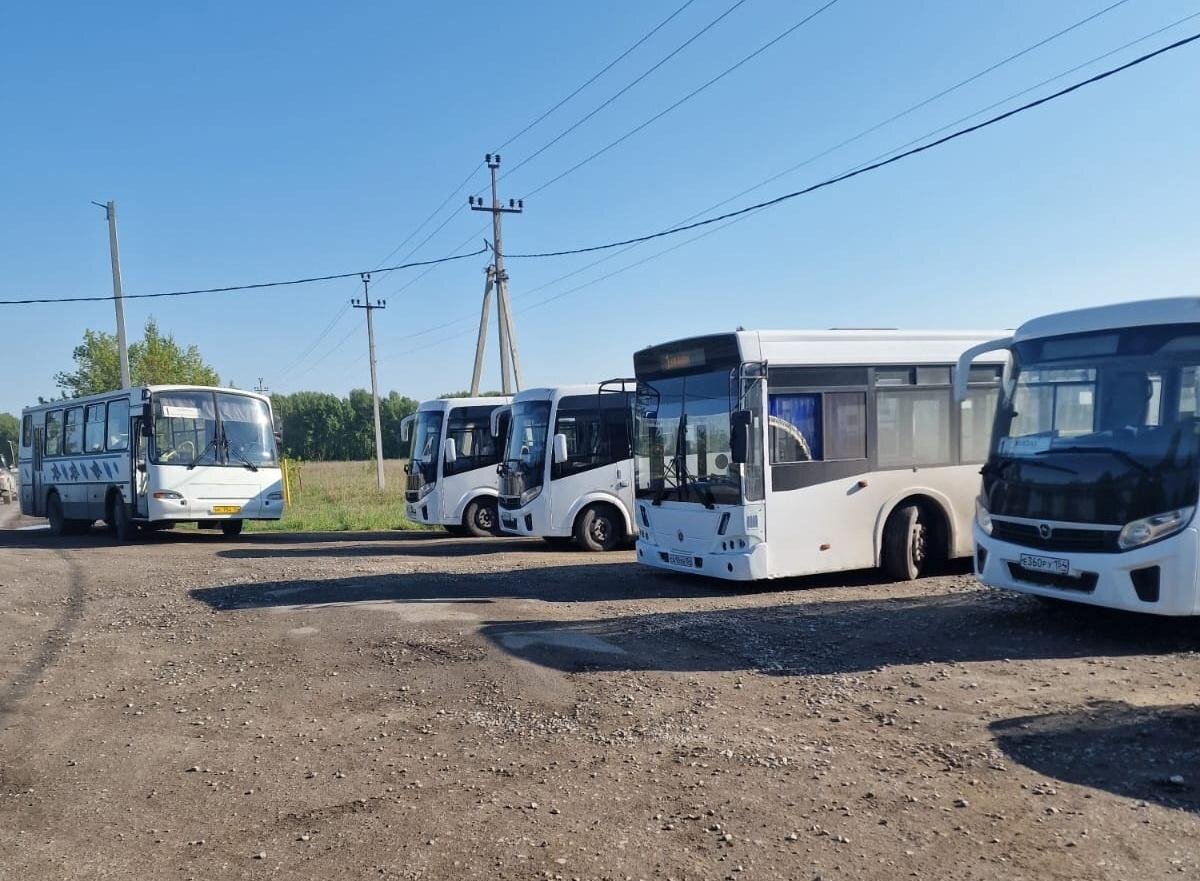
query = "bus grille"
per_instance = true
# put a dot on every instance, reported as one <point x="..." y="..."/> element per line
<point x="413" y="482"/>
<point x="1061" y="538"/>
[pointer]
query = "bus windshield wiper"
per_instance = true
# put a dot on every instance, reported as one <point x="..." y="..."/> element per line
<point x="239" y="455"/>
<point x="212" y="444"/>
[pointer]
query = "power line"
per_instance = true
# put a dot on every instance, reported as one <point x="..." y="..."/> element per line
<point x="540" y="150"/>
<point x="689" y="96"/>
<point x="842" y="144"/>
<point x="874" y="165"/>
<point x="242" y="287"/>
<point x="928" y="101"/>
<point x="316" y="342"/>
<point x="599" y="73"/>
<point x="340" y="343"/>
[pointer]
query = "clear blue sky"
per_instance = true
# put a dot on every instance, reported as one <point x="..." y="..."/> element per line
<point x="258" y="141"/>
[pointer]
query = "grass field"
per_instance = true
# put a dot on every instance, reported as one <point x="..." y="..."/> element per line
<point x="339" y="496"/>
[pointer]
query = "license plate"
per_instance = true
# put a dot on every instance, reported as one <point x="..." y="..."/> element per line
<point x="681" y="560"/>
<point x="226" y="509"/>
<point x="1049" y="565"/>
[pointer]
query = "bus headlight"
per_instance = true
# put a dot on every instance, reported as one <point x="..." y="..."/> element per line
<point x="275" y="496"/>
<point x="167" y="495"/>
<point x="982" y="517"/>
<point x="1149" y="529"/>
<point x="529" y="495"/>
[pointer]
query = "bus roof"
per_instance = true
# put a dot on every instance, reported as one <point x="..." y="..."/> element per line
<point x="550" y="393"/>
<point x="441" y="405"/>
<point x="137" y="392"/>
<point x="1138" y="313"/>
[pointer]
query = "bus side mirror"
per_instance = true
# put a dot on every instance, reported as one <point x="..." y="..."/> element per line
<point x="739" y="436"/>
<point x="147" y="420"/>
<point x="451" y="451"/>
<point x="406" y="428"/>
<point x="560" y="448"/>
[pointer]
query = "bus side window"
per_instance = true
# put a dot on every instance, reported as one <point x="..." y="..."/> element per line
<point x="117" y="427"/>
<point x="93" y="430"/>
<point x="54" y="424"/>
<point x="27" y="431"/>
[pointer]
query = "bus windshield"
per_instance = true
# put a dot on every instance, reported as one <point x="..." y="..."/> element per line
<point x="524" y="467"/>
<point x="1099" y="427"/>
<point x="427" y="440"/>
<point x="682" y="440"/>
<point x="212" y="428"/>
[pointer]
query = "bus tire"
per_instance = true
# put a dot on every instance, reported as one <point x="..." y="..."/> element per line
<point x="905" y="543"/>
<point x="599" y="528"/>
<point x="458" y="531"/>
<point x="231" y="527"/>
<point x="123" y="527"/>
<point x="481" y="518"/>
<point x="54" y="515"/>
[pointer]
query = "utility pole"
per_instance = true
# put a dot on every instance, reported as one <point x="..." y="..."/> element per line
<point x="261" y="388"/>
<point x="114" y="253"/>
<point x="366" y="303"/>
<point x="498" y="279"/>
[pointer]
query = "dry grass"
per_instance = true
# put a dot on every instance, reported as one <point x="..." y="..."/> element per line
<point x="340" y="496"/>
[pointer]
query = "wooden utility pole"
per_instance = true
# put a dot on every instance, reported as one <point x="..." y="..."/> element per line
<point x="365" y="303"/>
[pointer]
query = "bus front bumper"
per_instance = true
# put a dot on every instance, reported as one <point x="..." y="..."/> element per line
<point x="1159" y="578"/>
<point x="736" y="565"/>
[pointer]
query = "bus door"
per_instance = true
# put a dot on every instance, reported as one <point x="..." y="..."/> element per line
<point x="137" y="471"/>
<point x="33" y="504"/>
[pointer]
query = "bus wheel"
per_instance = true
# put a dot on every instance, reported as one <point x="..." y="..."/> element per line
<point x="481" y="519"/>
<point x="905" y="543"/>
<point x="54" y="514"/>
<point x="123" y="527"/>
<point x="598" y="528"/>
<point x="231" y="527"/>
<point x="456" y="531"/>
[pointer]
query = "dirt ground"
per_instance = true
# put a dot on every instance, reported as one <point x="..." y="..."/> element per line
<point x="364" y="706"/>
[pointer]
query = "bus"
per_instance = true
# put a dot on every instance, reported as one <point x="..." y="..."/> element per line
<point x="769" y="454"/>
<point x="1093" y="474"/>
<point x="451" y="472"/>
<point x="567" y="471"/>
<point x="149" y="457"/>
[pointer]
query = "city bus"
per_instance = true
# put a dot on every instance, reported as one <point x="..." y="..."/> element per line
<point x="768" y="454"/>
<point x="149" y="457"/>
<point x="451" y="472"/>
<point x="567" y="470"/>
<point x="1093" y="474"/>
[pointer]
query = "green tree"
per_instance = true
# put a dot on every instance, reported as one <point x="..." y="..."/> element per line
<point x="466" y="394"/>
<point x="10" y="431"/>
<point x="156" y="359"/>
<point x="319" y="426"/>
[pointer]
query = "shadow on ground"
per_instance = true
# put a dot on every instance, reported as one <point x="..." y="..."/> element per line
<point x="1130" y="751"/>
<point x="813" y="634"/>
<point x="586" y="582"/>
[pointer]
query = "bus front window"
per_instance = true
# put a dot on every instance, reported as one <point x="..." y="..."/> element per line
<point x="524" y="467"/>
<point x="682" y="440"/>
<point x="1099" y="428"/>
<point x="427" y="442"/>
<point x="248" y="432"/>
<point x="185" y="429"/>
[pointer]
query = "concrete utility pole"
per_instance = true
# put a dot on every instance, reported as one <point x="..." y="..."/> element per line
<point x="114" y="253"/>
<point x="366" y="303"/>
<point x="497" y="278"/>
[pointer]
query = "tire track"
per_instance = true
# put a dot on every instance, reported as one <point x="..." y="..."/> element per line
<point x="19" y="687"/>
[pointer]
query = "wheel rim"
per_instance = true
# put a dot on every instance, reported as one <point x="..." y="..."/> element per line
<point x="918" y="545"/>
<point x="601" y="529"/>
<point x="483" y="518"/>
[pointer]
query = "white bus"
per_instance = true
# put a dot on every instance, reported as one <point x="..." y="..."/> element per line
<point x="766" y="454"/>
<point x="567" y="471"/>
<point x="150" y="457"/>
<point x="1093" y="475"/>
<point x="452" y="465"/>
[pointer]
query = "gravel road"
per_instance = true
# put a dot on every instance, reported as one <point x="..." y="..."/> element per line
<point x="404" y="705"/>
